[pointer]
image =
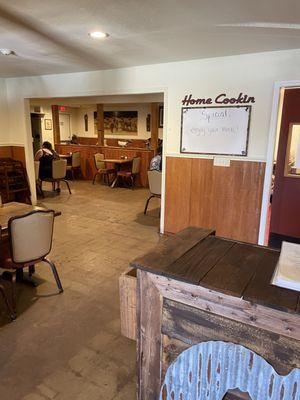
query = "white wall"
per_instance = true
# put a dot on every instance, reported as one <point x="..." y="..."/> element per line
<point x="252" y="74"/>
<point x="4" y="127"/>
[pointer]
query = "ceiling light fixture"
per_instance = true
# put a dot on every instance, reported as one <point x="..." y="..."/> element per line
<point x="98" y="35"/>
<point x="7" y="52"/>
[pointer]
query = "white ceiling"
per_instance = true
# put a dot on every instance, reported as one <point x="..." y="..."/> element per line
<point x="52" y="36"/>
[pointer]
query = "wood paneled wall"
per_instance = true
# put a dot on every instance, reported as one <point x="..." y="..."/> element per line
<point x="227" y="199"/>
<point x="15" y="152"/>
<point x="141" y="143"/>
<point x="87" y="158"/>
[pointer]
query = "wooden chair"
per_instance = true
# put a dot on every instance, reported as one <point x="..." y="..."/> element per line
<point x="75" y="164"/>
<point x="30" y="241"/>
<point x="59" y="171"/>
<point x="133" y="173"/>
<point x="102" y="171"/>
<point x="154" y="178"/>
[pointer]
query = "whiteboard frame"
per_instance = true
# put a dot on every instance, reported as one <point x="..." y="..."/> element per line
<point x="216" y="154"/>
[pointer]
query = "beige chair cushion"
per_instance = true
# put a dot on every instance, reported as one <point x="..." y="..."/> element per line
<point x="136" y="162"/>
<point x="155" y="179"/>
<point x="99" y="163"/>
<point x="36" y="169"/>
<point x="31" y="236"/>
<point x="76" y="159"/>
<point x="59" y="169"/>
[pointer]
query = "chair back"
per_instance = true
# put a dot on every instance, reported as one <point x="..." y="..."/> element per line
<point x="136" y="163"/>
<point x="99" y="163"/>
<point x="59" y="169"/>
<point x="30" y="236"/>
<point x="155" y="178"/>
<point x="36" y="169"/>
<point x="76" y="159"/>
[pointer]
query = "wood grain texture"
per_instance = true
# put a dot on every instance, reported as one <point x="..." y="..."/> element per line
<point x="154" y="126"/>
<point x="100" y="124"/>
<point x="227" y="199"/>
<point x="149" y="311"/>
<point x="262" y="316"/>
<point x="178" y="194"/>
<point x="127" y="292"/>
<point x="55" y="123"/>
<point x="168" y="251"/>
<point x="192" y="326"/>
<point x="87" y="158"/>
<point x="15" y="152"/>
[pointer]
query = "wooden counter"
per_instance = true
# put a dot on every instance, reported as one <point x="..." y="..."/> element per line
<point x="195" y="288"/>
<point x="87" y="158"/>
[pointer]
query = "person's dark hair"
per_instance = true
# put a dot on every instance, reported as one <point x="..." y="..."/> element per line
<point x="47" y="145"/>
<point x="159" y="150"/>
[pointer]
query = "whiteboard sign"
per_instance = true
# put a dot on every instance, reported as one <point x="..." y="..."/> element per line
<point x="215" y="130"/>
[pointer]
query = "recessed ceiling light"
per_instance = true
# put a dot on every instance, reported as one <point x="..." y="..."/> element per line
<point x="7" y="52"/>
<point x="98" y="35"/>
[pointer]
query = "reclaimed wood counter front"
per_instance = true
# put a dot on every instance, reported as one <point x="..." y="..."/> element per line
<point x="87" y="157"/>
<point x="195" y="287"/>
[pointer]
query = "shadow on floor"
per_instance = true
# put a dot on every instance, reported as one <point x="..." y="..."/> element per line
<point x="150" y="219"/>
<point x="26" y="298"/>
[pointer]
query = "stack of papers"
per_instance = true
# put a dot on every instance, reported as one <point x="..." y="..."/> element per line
<point x="287" y="272"/>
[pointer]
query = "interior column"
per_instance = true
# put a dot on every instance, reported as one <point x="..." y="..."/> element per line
<point x="154" y="125"/>
<point x="100" y="124"/>
<point x="55" y="122"/>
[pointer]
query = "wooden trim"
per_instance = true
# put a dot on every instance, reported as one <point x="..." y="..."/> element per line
<point x="55" y="121"/>
<point x="149" y="312"/>
<point x="231" y="307"/>
<point x="227" y="199"/>
<point x="100" y="124"/>
<point x="154" y="125"/>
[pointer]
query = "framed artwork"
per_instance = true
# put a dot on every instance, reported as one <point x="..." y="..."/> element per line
<point x="161" y="116"/>
<point x="48" y="124"/>
<point x="121" y="122"/>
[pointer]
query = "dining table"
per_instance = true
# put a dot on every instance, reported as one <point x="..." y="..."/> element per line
<point x="14" y="209"/>
<point x="118" y="163"/>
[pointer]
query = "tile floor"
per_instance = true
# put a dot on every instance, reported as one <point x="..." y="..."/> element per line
<point x="68" y="346"/>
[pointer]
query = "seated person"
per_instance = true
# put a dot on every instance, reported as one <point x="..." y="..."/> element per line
<point x="45" y="156"/>
<point x="156" y="162"/>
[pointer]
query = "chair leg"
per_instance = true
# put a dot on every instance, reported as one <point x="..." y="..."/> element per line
<point x="9" y="307"/>
<point x="95" y="176"/>
<point x="147" y="203"/>
<point x="55" y="273"/>
<point x="31" y="270"/>
<point x="73" y="175"/>
<point x="14" y="291"/>
<point x="132" y="182"/>
<point x="67" y="183"/>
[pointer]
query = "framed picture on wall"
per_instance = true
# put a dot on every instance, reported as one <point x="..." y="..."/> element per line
<point x="161" y="116"/>
<point x="48" y="124"/>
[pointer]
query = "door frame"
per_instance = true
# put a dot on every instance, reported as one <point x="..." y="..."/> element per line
<point x="270" y="154"/>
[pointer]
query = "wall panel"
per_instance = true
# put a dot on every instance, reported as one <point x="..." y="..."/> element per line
<point x="227" y="199"/>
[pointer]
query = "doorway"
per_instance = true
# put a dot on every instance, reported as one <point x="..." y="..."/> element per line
<point x="36" y="130"/>
<point x="284" y="215"/>
<point x="64" y="126"/>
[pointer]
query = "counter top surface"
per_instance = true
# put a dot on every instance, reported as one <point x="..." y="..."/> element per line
<point x="198" y="257"/>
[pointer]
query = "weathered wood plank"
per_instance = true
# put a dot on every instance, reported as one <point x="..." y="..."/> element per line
<point x="261" y="291"/>
<point x="234" y="271"/>
<point x="282" y="323"/>
<point x="192" y="326"/>
<point x="194" y="264"/>
<point x="170" y="250"/>
<point x="127" y="292"/>
<point x="149" y="312"/>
